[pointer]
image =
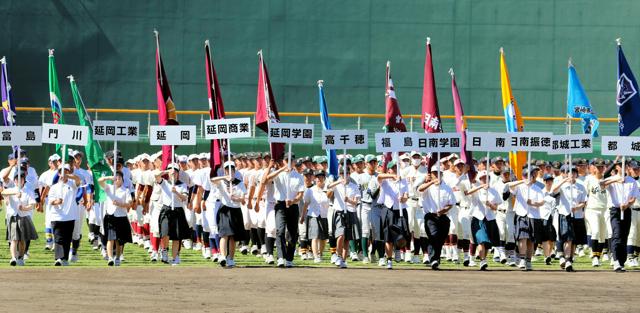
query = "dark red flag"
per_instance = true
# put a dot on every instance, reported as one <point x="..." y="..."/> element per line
<point x="393" y="121"/>
<point x="167" y="114"/>
<point x="266" y="109"/>
<point x="430" y="118"/>
<point x="216" y="111"/>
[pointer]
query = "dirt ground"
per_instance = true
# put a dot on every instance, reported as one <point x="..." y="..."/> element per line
<point x="189" y="289"/>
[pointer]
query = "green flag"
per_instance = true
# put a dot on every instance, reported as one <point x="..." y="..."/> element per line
<point x="54" y="96"/>
<point x="93" y="151"/>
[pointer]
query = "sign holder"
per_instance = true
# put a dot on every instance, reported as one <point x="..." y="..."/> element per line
<point x="568" y="152"/>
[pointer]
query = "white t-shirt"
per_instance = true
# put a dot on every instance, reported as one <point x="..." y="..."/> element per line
<point x="550" y="203"/>
<point x="352" y="191"/>
<point x="478" y="208"/>
<point x="122" y="195"/>
<point x="296" y="184"/>
<point x="68" y="209"/>
<point x="12" y="202"/>
<point x="524" y="192"/>
<point x="390" y="192"/>
<point x="570" y="196"/>
<point x="437" y="197"/>
<point x="238" y="190"/>
<point x="318" y="202"/>
<point x="597" y="196"/>
<point x="165" y="193"/>
<point x="620" y="193"/>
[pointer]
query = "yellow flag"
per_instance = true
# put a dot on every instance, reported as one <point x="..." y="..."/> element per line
<point x="512" y="117"/>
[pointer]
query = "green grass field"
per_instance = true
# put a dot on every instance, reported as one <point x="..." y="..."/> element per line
<point x="137" y="257"/>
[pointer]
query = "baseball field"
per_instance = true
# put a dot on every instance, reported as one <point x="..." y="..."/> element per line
<point x="201" y="285"/>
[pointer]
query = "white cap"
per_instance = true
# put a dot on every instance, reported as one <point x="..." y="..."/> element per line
<point x="482" y="174"/>
<point x="130" y="161"/>
<point x="174" y="166"/>
<point x="229" y="163"/>
<point x="435" y="168"/>
<point x="453" y="155"/>
<point x="54" y="157"/>
<point x="192" y="157"/>
<point x="405" y="156"/>
<point x="65" y="166"/>
<point x="458" y="161"/>
<point x="73" y="153"/>
<point x="203" y="155"/>
<point x="182" y="158"/>
<point x="415" y="153"/>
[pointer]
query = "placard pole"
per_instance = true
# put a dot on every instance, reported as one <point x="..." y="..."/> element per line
<point x="173" y="182"/>
<point x="229" y="159"/>
<point x="115" y="157"/>
<point x="623" y="175"/>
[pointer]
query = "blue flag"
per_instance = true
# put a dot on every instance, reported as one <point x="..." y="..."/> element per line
<point x="578" y="105"/>
<point x="627" y="99"/>
<point x="326" y="124"/>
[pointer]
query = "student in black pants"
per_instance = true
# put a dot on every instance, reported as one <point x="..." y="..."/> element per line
<point x="63" y="213"/>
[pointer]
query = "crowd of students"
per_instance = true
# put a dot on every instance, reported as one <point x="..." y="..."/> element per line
<point x="408" y="209"/>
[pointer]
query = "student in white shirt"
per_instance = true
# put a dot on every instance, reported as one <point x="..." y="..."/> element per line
<point x="596" y="210"/>
<point x="393" y="195"/>
<point x="62" y="199"/>
<point x="19" y="203"/>
<point x="623" y="192"/>
<point x="437" y="200"/>
<point x="573" y="198"/>
<point x="229" y="217"/>
<point x="547" y="210"/>
<point x="45" y="182"/>
<point x="346" y="196"/>
<point x="484" y="229"/>
<point x="529" y="199"/>
<point x="172" y="221"/>
<point x="316" y="206"/>
<point x="116" y="225"/>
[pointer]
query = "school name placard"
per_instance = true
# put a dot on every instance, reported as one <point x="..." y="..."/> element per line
<point x="620" y="145"/>
<point x="74" y="135"/>
<point x="424" y="142"/>
<point x="227" y="128"/>
<point x="345" y="139"/>
<point x="173" y="135"/>
<point x="291" y="133"/>
<point x="571" y="144"/>
<point x="116" y="130"/>
<point x="20" y="135"/>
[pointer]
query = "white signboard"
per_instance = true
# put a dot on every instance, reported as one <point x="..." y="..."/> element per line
<point x="345" y="139"/>
<point x="620" y="145"/>
<point x="227" y="128"/>
<point x="488" y="142"/>
<point x="20" y="135"/>
<point x="116" y="130"/>
<point x="74" y="135"/>
<point x="173" y="135"/>
<point x="291" y="133"/>
<point x="531" y="141"/>
<point x="571" y="144"/>
<point x="438" y="142"/>
<point x="396" y="142"/>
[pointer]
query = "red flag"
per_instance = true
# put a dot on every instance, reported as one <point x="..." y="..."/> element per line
<point x="166" y="109"/>
<point x="461" y="124"/>
<point x="430" y="113"/>
<point x="393" y="121"/>
<point x="266" y="109"/>
<point x="216" y="111"/>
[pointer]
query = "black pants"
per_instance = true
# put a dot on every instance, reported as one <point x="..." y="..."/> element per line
<point x="437" y="229"/>
<point x="62" y="235"/>
<point x="619" y="234"/>
<point x="286" y="221"/>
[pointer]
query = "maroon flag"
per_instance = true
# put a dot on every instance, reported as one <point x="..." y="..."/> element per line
<point x="430" y="118"/>
<point x="393" y="121"/>
<point x="167" y="114"/>
<point x="461" y="124"/>
<point x="266" y="109"/>
<point x="216" y="111"/>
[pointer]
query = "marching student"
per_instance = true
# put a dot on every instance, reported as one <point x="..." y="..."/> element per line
<point x="414" y="173"/>
<point x="84" y="198"/>
<point x="45" y="181"/>
<point x="116" y="225"/>
<point x="306" y="251"/>
<point x="289" y="188"/>
<point x="316" y="206"/>
<point x="265" y="203"/>
<point x="596" y="210"/>
<point x="345" y="219"/>
<point x="437" y="201"/>
<point x="622" y="191"/>
<point x="505" y="215"/>
<point x="172" y="221"/>
<point x="547" y="215"/>
<point x="393" y="196"/>
<point x="484" y="229"/>
<point x="19" y="202"/>
<point x="529" y="198"/>
<point x="64" y="211"/>
<point x="572" y="201"/>
<point x="375" y="213"/>
<point x="229" y="217"/>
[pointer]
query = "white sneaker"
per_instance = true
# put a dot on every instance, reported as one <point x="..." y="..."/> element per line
<point x="466" y="260"/>
<point x="58" y="262"/>
<point x="154" y="256"/>
<point x="472" y="263"/>
<point x="354" y="257"/>
<point x="366" y="260"/>
<point x="122" y="258"/>
<point x="616" y="266"/>
<point x="13" y="262"/>
<point x="435" y="265"/>
<point x="317" y="260"/>
<point x="244" y="250"/>
<point x="254" y="249"/>
<point x="503" y="257"/>
<point x="446" y="254"/>
<point x="425" y="259"/>
<point x="389" y="265"/>
<point x="206" y="253"/>
<point x="187" y="244"/>
<point x="280" y="262"/>
<point x="176" y="261"/>
<point x="522" y="264"/>
<point x="408" y="256"/>
<point x="147" y="244"/>
<point x="605" y="257"/>
<point x="197" y="247"/>
<point x="496" y="256"/>
<point x="568" y="266"/>
<point x="215" y="257"/>
<point x="595" y="261"/>
<point x="581" y="252"/>
<point x="382" y="262"/>
<point x="111" y="262"/>
<point x="334" y="258"/>
<point x="632" y="262"/>
<point x="26" y="256"/>
<point x="539" y="252"/>
<point x="263" y="250"/>
<point x="269" y="259"/>
<point x="303" y="256"/>
<point x="484" y="265"/>
<point x="165" y="256"/>
<point x="563" y="262"/>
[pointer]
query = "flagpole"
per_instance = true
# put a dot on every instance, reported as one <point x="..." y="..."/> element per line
<point x="398" y="182"/>
<point x="623" y="176"/>
<point x="344" y="169"/>
<point x="18" y="169"/>
<point x="488" y="177"/>
<point x="528" y="176"/>
<point x="229" y="159"/>
<point x="439" y="182"/>
<point x="568" y="119"/>
<point x="64" y="153"/>
<point x="115" y="156"/>
<point x="173" y="182"/>
<point x="289" y="173"/>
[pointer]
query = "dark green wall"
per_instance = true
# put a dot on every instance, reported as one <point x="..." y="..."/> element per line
<point x="109" y="47"/>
